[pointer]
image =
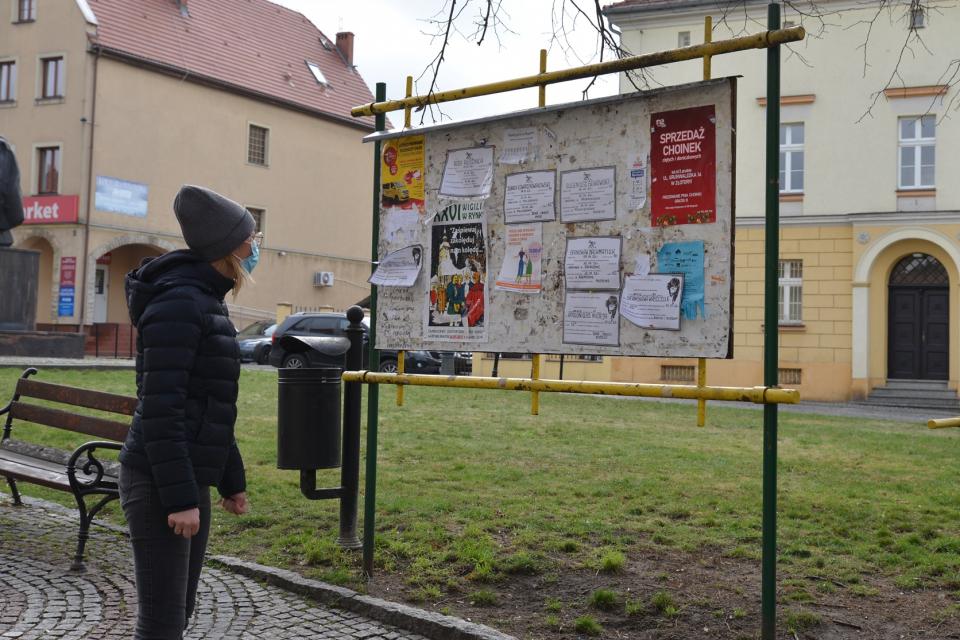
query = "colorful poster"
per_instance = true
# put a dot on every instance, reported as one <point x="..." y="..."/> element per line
<point x="591" y="318"/>
<point x="519" y="145"/>
<point x="399" y="269"/>
<point x="652" y="301"/>
<point x="121" y="196"/>
<point x="457" y="299"/>
<point x="468" y="173"/>
<point x="401" y="173"/>
<point x="528" y="197"/>
<point x="686" y="258"/>
<point x="592" y="263"/>
<point x="68" y="270"/>
<point x="521" y="270"/>
<point x="588" y="194"/>
<point x="683" y="163"/>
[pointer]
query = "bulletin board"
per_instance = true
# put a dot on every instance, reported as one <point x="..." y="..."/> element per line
<point x="598" y="227"/>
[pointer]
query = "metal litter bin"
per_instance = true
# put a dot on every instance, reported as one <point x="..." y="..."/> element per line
<point x="308" y="418"/>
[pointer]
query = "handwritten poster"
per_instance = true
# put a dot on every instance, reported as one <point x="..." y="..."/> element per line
<point x="528" y="197"/>
<point x="683" y="163"/>
<point x="399" y="269"/>
<point x="401" y="173"/>
<point x="519" y="145"/>
<point x="456" y="300"/>
<point x="468" y="173"/>
<point x="588" y="194"/>
<point x="522" y="259"/>
<point x="652" y="301"/>
<point x="686" y="258"/>
<point x="592" y="263"/>
<point x="591" y="318"/>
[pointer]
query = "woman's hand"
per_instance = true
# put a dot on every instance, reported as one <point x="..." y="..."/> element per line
<point x="235" y="504"/>
<point x="185" y="523"/>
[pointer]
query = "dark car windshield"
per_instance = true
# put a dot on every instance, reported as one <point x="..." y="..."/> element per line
<point x="255" y="329"/>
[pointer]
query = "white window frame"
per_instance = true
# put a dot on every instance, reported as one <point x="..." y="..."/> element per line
<point x="790" y="149"/>
<point x="916" y="143"/>
<point x="40" y="99"/>
<point x="317" y="73"/>
<point x="789" y="279"/>
<point x="684" y="36"/>
<point x="263" y="216"/>
<point x="12" y="81"/>
<point x="35" y="168"/>
<point x="266" y="145"/>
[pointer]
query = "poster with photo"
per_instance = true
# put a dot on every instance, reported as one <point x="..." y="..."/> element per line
<point x="686" y="258"/>
<point x="683" y="163"/>
<point x="456" y="299"/>
<point x="652" y="301"/>
<point x="522" y="259"/>
<point x="401" y="173"/>
<point x="592" y="263"/>
<point x="591" y="318"/>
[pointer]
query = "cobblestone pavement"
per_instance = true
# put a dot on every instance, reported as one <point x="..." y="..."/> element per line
<point x="40" y="598"/>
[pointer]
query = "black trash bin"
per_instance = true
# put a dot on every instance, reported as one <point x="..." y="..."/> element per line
<point x="308" y="418"/>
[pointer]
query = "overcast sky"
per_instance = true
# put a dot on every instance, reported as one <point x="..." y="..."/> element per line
<point x="392" y="41"/>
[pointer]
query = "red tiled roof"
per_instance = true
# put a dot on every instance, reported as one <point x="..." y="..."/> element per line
<point x="253" y="46"/>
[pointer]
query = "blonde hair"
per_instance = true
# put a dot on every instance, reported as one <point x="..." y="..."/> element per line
<point x="231" y="266"/>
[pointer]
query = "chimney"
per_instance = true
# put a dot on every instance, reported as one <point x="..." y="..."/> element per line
<point x="345" y="46"/>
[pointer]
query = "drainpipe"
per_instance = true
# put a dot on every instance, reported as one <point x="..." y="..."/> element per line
<point x="90" y="193"/>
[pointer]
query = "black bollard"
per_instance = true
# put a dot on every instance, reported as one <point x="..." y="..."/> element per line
<point x="350" y="471"/>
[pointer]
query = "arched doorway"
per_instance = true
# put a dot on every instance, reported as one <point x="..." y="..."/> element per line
<point x="45" y="309"/>
<point x="919" y="319"/>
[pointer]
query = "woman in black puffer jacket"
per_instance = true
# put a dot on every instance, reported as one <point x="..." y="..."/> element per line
<point x="181" y="441"/>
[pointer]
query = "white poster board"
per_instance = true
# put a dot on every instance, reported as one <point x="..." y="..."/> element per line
<point x="618" y="191"/>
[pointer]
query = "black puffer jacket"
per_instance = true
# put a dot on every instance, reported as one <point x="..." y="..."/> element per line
<point x="188" y="364"/>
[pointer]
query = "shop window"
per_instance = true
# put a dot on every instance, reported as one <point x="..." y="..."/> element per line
<point x="791" y="158"/>
<point x="790" y="289"/>
<point x="258" y="145"/>
<point x="8" y="81"/>
<point x="48" y="170"/>
<point x="917" y="152"/>
<point x="53" y="77"/>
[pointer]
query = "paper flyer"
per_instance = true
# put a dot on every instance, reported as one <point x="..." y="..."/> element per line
<point x="652" y="301"/>
<point x="401" y="173"/>
<point x="686" y="258"/>
<point x="591" y="318"/>
<point x="528" y="197"/>
<point x="456" y="300"/>
<point x="400" y="268"/>
<point x="683" y="166"/>
<point x="519" y="145"/>
<point x="592" y="263"/>
<point x="401" y="226"/>
<point x="638" y="185"/>
<point x="588" y="194"/>
<point x="522" y="260"/>
<point x="468" y="173"/>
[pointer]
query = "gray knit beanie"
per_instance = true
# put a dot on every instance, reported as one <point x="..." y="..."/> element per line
<point x="212" y="224"/>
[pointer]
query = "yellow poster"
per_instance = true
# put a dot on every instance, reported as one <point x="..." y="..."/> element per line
<point x="401" y="173"/>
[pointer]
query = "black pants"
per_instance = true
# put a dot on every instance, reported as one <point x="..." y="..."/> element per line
<point x="167" y="565"/>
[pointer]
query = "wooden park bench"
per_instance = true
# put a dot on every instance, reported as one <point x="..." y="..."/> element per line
<point x="90" y="480"/>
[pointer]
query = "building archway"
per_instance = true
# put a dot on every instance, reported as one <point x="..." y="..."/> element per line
<point x="107" y="265"/>
<point x="918" y="321"/>
<point x="48" y="277"/>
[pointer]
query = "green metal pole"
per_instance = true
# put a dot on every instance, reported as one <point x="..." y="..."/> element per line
<point x="373" y="394"/>
<point x="770" y="351"/>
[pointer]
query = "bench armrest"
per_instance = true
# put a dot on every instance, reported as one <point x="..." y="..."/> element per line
<point x="92" y="470"/>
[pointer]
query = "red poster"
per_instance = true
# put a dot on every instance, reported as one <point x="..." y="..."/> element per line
<point x="50" y="209"/>
<point x="68" y="270"/>
<point x="683" y="166"/>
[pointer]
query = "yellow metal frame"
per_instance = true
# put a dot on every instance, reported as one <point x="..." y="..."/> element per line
<point x="943" y="423"/>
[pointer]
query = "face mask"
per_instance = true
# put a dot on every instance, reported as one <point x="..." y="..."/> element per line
<point x="250" y="262"/>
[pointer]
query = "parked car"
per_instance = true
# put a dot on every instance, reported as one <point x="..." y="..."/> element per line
<point x="254" y="341"/>
<point x="334" y="325"/>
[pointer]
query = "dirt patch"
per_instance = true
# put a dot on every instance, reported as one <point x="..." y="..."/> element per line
<point x="700" y="596"/>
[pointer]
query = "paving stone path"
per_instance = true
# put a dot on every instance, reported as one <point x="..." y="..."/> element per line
<point x="40" y="598"/>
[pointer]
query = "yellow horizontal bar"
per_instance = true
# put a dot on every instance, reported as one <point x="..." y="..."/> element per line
<point x="758" y="395"/>
<point x="943" y="423"/>
<point x="761" y="40"/>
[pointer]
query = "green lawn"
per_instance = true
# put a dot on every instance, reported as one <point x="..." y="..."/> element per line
<point x="472" y="489"/>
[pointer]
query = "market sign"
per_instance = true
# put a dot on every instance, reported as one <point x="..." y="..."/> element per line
<point x="50" y="209"/>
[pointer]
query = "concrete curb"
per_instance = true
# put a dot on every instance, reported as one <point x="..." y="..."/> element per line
<point x="425" y="623"/>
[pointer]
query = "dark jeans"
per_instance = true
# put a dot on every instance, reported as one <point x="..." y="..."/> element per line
<point x="167" y="565"/>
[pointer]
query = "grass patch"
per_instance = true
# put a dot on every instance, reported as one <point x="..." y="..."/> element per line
<point x="603" y="599"/>
<point x="507" y="494"/>
<point x="587" y="625"/>
<point x="483" y="598"/>
<point x="800" y="621"/>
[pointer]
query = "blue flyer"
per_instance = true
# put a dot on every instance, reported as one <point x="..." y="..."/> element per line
<point x="686" y="258"/>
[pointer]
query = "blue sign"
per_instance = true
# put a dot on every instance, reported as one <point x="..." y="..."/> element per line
<point x="121" y="196"/>
<point x="65" y="301"/>
<point x="686" y="258"/>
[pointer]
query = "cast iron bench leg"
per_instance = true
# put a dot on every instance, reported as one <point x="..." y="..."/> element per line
<point x="16" y="493"/>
